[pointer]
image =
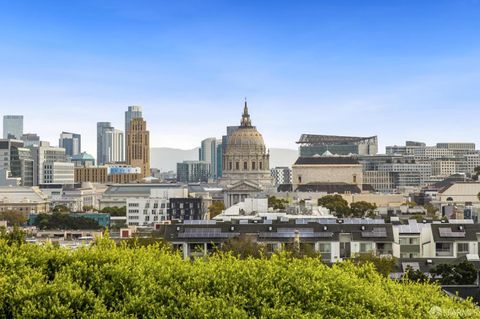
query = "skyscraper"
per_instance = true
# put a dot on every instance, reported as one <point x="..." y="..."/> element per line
<point x="101" y="128"/>
<point x="113" y="147"/>
<point x="208" y="152"/>
<point x="12" y="126"/>
<point x="71" y="142"/>
<point x="30" y="139"/>
<point x="138" y="145"/>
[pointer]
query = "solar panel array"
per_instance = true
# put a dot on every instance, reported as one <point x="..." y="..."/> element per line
<point x="446" y="232"/>
<point x="360" y="221"/>
<point x="200" y="222"/>
<point x="205" y="233"/>
<point x="377" y="232"/>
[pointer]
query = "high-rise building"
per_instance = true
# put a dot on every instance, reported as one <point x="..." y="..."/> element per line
<point x="52" y="166"/>
<point x="138" y="145"/>
<point x="101" y="128"/>
<point x="12" y="126"/>
<point x="71" y="142"/>
<point x="30" y="139"/>
<point x="17" y="160"/>
<point x="113" y="147"/>
<point x="193" y="171"/>
<point x="208" y="152"/>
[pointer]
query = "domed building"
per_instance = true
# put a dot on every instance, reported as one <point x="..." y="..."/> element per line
<point x="246" y="162"/>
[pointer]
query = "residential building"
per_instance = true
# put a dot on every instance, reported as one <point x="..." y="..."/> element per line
<point x="311" y="145"/>
<point x="12" y="126"/>
<point x="138" y="145"/>
<point x="193" y="172"/>
<point x="281" y="175"/>
<point x="164" y="205"/>
<point x="71" y="142"/>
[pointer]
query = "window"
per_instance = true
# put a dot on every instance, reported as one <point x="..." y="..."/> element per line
<point x="237" y="165"/>
<point x="410" y="241"/>
<point x="230" y="165"/>
<point x="299" y="179"/>
<point x="462" y="248"/>
<point x="245" y="166"/>
<point x="444" y="249"/>
<point x="155" y="205"/>
<point x="366" y="247"/>
<point x="253" y="165"/>
<point x="260" y="165"/>
<point x="354" y="179"/>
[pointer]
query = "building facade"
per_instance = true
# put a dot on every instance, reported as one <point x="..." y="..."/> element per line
<point x="71" y="142"/>
<point x="193" y="172"/>
<point x="12" y="126"/>
<point x="208" y="152"/>
<point x="311" y="145"/>
<point x="107" y="174"/>
<point x="138" y="145"/>
<point x="281" y="175"/>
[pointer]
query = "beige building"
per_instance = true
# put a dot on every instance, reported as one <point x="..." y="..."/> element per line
<point x="246" y="163"/>
<point x="327" y="169"/>
<point x="459" y="192"/>
<point x="443" y="168"/>
<point x="23" y="199"/>
<point x="138" y="146"/>
<point x="101" y="175"/>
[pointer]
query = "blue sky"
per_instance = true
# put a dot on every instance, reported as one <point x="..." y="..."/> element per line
<point x="397" y="69"/>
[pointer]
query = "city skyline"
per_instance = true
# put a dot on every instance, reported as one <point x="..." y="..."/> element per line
<point x="331" y="70"/>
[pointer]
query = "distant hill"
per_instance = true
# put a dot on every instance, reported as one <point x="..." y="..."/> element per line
<point x="166" y="159"/>
<point x="282" y="157"/>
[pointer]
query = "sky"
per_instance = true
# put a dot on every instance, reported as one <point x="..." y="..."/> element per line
<point x="399" y="69"/>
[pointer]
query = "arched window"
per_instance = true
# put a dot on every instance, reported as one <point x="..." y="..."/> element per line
<point x="253" y="165"/>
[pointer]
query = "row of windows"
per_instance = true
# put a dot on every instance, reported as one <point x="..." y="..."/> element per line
<point x="245" y="165"/>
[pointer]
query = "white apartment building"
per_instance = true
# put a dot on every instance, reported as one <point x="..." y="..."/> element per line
<point x="152" y="209"/>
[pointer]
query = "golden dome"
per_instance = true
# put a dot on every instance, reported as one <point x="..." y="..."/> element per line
<point x="245" y="136"/>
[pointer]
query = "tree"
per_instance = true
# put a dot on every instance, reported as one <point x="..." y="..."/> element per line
<point x="14" y="237"/>
<point x="277" y="203"/>
<point x="431" y="209"/>
<point x="476" y="173"/>
<point x="415" y="275"/>
<point x="336" y="204"/>
<point x="115" y="211"/>
<point x="243" y="247"/>
<point x="216" y="208"/>
<point x="60" y="209"/>
<point x="14" y="217"/>
<point x="384" y="265"/>
<point x="88" y="208"/>
<point x="463" y="273"/>
<point x="64" y="221"/>
<point x="362" y="209"/>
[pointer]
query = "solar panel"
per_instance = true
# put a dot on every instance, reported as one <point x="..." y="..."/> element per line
<point x="446" y="232"/>
<point x="207" y="235"/>
<point x="377" y="232"/>
<point x="293" y="235"/>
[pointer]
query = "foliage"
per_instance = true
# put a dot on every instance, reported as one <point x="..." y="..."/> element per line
<point x="277" y="203"/>
<point x="146" y="241"/>
<point x="115" y="211"/>
<point x="384" y="265"/>
<point x="476" y="173"/>
<point x="431" y="209"/>
<point x="339" y="206"/>
<point x="14" y="217"/>
<point x="14" y="237"/>
<point x="362" y="209"/>
<point x="60" y="209"/>
<point x="216" y="208"/>
<point x="88" y="208"/>
<point x="335" y="203"/>
<point x="243" y="247"/>
<point x="64" y="221"/>
<point x="463" y="273"/>
<point x="109" y="281"/>
<point x="409" y="204"/>
<point x="415" y="275"/>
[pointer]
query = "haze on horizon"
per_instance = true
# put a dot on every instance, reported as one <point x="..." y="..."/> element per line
<point x="402" y="70"/>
